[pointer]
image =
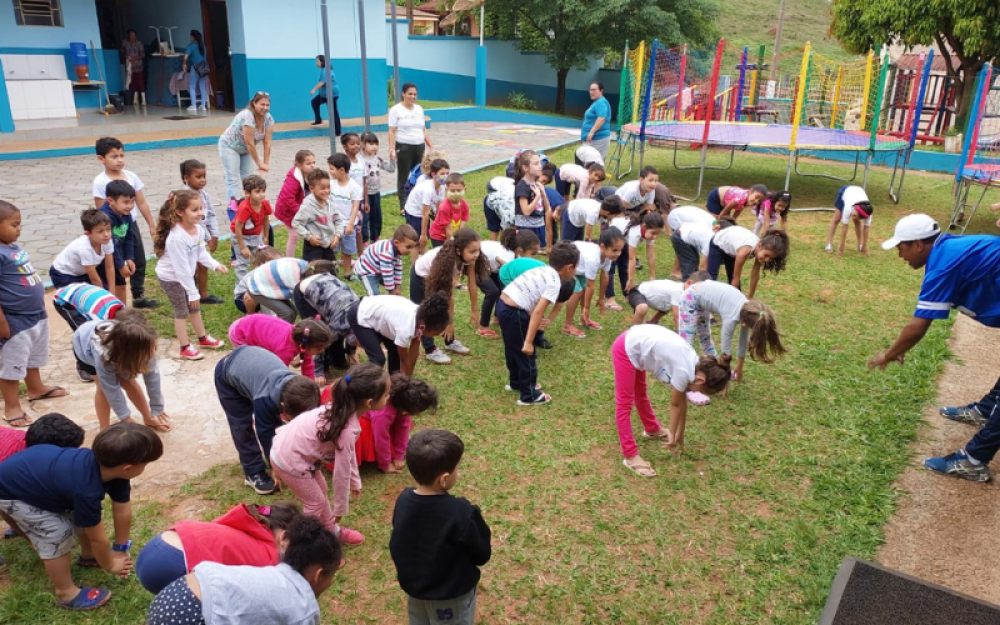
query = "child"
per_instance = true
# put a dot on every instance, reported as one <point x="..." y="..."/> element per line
<point x="452" y="213"/>
<point x="586" y="155"/>
<point x="118" y="207"/>
<point x="241" y="299"/>
<point x="756" y="323"/>
<point x="657" y="350"/>
<point x="580" y="217"/>
<point x="286" y="593"/>
<point x="521" y="310"/>
<point x="293" y="192"/>
<point x="117" y="352"/>
<point x="305" y="339"/>
<point x="732" y="245"/>
<point x="439" y="271"/>
<point x="575" y="182"/>
<point x="730" y="201"/>
<point x="526" y="247"/>
<point x="323" y="296"/>
<point x="438" y="541"/>
<point x="79" y="303"/>
<point x="193" y="175"/>
<point x="556" y="204"/>
<point x="381" y="264"/>
<point x="774" y="206"/>
<point x="79" y="260"/>
<point x="683" y="215"/>
<point x="498" y="254"/>
<point x="595" y="259"/>
<point x="256" y="391"/>
<point x="247" y="535"/>
<point x="180" y="246"/>
<point x="328" y="434"/>
<point x="346" y="196"/>
<point x="371" y="224"/>
<point x="251" y="222"/>
<point x="692" y="243"/>
<point x="637" y="226"/>
<point x="851" y="204"/>
<point x="663" y="199"/>
<point x="641" y="193"/>
<point x="111" y="154"/>
<point x="351" y="143"/>
<point x="531" y="202"/>
<point x="391" y="425"/>
<point x="498" y="205"/>
<point x="271" y="285"/>
<point x="397" y="324"/>
<point x="40" y="485"/>
<point x="24" y="324"/>
<point x="318" y="220"/>
<point x="426" y="196"/>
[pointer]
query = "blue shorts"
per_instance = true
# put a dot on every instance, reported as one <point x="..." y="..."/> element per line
<point x="540" y="232"/>
<point x="714" y="202"/>
<point x="159" y="564"/>
<point x="414" y="222"/>
<point x="839" y="202"/>
<point x="349" y="242"/>
<point x="240" y="305"/>
<point x="492" y="219"/>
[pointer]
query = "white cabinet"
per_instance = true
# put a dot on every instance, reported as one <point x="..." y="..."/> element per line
<point x="37" y="86"/>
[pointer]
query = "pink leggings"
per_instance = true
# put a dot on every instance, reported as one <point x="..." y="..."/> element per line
<point x="630" y="390"/>
<point x="293" y="240"/>
<point x="312" y="492"/>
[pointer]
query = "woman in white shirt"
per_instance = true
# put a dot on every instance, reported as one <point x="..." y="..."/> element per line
<point x="407" y="137"/>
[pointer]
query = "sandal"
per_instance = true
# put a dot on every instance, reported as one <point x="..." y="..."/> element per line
<point x="88" y="599"/>
<point x="698" y="399"/>
<point x="593" y="325"/>
<point x="50" y="394"/>
<point x="575" y="333"/>
<point x="21" y="421"/>
<point x="487" y="333"/>
<point x="641" y="468"/>
<point x="657" y="435"/>
<point x="538" y="401"/>
<point x="612" y="305"/>
<point x="87" y="563"/>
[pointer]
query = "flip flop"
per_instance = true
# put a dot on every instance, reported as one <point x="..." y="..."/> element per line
<point x="487" y="334"/>
<point x="23" y="419"/>
<point x="643" y="469"/>
<point x="593" y="325"/>
<point x="538" y="401"/>
<point x="49" y="394"/>
<point x="88" y="599"/>
<point x="612" y="306"/>
<point x="655" y="435"/>
<point x="577" y="334"/>
<point x="88" y="563"/>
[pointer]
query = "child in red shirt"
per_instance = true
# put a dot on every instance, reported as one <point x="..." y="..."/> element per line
<point x="452" y="213"/>
<point x="250" y="223"/>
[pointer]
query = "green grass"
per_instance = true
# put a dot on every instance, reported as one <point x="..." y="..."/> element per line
<point x="783" y="478"/>
<point x="753" y="22"/>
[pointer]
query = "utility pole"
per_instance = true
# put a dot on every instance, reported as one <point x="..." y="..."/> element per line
<point x="777" y="42"/>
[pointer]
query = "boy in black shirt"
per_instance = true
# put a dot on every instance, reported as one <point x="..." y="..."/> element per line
<point x="438" y="541"/>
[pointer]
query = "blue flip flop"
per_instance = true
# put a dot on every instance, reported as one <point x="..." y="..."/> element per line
<point x="88" y="599"/>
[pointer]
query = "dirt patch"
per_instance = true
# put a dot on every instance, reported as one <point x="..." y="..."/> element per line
<point x="941" y="530"/>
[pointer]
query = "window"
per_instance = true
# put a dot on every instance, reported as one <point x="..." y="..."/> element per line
<point x="38" y="13"/>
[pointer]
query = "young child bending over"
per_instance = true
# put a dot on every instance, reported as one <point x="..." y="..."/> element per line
<point x="328" y="434"/>
<point x="323" y="297"/>
<point x="305" y="339"/>
<point x="391" y="425"/>
<point x="180" y="246"/>
<point x="851" y="205"/>
<point x="498" y="254"/>
<point x="662" y="296"/>
<point x="286" y="593"/>
<point x="654" y="349"/>
<point x="638" y="227"/>
<point x="251" y="223"/>
<point x="381" y="264"/>
<point x="774" y="207"/>
<point x="55" y="497"/>
<point x="241" y="298"/>
<point x="733" y="245"/>
<point x="438" y="541"/>
<point x="731" y="201"/>
<point x="596" y="259"/>
<point x="293" y="192"/>
<point x="391" y="327"/>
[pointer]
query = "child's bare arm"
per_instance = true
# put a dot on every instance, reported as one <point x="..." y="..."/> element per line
<point x="143" y="206"/>
<point x="244" y="250"/>
<point x="122" y="514"/>
<point x="92" y="275"/>
<point x="754" y="279"/>
<point x="536" y="321"/>
<point x="742" y="255"/>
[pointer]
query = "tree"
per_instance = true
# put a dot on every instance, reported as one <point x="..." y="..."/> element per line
<point x="970" y="29"/>
<point x="572" y="32"/>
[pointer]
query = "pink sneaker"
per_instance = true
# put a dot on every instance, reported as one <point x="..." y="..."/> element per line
<point x="210" y="342"/>
<point x="191" y="353"/>
<point x="350" y="537"/>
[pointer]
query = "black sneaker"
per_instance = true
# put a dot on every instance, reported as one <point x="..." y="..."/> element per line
<point x="145" y="302"/>
<point x="212" y="299"/>
<point x="262" y="484"/>
<point x="543" y="344"/>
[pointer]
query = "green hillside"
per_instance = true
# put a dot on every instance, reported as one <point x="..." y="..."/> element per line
<point x="753" y="22"/>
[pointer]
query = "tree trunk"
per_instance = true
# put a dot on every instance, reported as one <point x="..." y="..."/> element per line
<point x="966" y="93"/>
<point x="561" y="74"/>
<point x="409" y="14"/>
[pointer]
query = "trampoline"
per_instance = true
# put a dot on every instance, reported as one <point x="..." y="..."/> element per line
<point x="978" y="171"/>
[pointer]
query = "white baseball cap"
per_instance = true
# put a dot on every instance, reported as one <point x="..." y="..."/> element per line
<point x="912" y="228"/>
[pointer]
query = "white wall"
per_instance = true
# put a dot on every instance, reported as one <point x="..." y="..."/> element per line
<point x="298" y="33"/>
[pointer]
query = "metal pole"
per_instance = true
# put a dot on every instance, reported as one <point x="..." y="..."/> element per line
<point x="482" y="21"/>
<point x="328" y="74"/>
<point x="364" y="64"/>
<point x="395" y="55"/>
<point x="777" y="41"/>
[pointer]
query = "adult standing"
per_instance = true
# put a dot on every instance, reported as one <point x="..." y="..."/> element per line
<point x="135" y="55"/>
<point x="596" y="130"/>
<point x="238" y="145"/>
<point x="408" y="137"/>
<point x="194" y="60"/>
<point x="960" y="272"/>
<point x="320" y="97"/>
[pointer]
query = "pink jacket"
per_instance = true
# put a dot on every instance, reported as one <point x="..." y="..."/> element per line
<point x="391" y="431"/>
<point x="274" y="335"/>
<point x="298" y="450"/>
<point x="290" y="197"/>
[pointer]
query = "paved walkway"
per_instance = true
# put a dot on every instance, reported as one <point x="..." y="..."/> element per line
<point x="52" y="192"/>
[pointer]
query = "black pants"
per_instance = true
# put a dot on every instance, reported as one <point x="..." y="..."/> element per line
<point x="408" y="156"/>
<point x="986" y="442"/>
<point x="417" y="297"/>
<point x="371" y="222"/>
<point x="312" y="252"/>
<point x="242" y="425"/>
<point x="716" y="259"/>
<point x="491" y="288"/>
<point x="137" y="281"/>
<point x="522" y="368"/>
<point x="318" y="101"/>
<point x="372" y="342"/>
<point x="687" y="255"/>
<point x="621" y="264"/>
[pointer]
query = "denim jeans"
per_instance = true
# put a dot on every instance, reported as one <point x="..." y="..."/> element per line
<point x="236" y="167"/>
<point x="197" y="82"/>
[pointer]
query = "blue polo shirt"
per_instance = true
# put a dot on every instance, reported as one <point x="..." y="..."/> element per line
<point x="60" y="480"/>
<point x="555" y="198"/>
<point x="600" y="108"/>
<point x="962" y="272"/>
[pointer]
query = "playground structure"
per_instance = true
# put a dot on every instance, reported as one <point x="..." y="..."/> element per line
<point x="938" y="111"/>
<point x="978" y="169"/>
<point x="679" y="96"/>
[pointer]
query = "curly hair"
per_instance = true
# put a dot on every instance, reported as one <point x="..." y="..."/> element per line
<point x="775" y="241"/>
<point x="170" y="215"/>
<point x="410" y="395"/>
<point x="449" y="262"/>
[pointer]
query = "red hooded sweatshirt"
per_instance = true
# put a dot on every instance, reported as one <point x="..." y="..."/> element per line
<point x="234" y="538"/>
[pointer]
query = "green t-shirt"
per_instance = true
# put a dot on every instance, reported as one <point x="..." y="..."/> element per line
<point x="510" y="271"/>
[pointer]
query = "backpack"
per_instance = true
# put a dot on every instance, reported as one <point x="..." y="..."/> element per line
<point x="411" y="180"/>
<point x="500" y="199"/>
<point x="332" y="298"/>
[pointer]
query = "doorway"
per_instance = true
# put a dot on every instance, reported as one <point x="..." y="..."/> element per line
<point x="215" y="19"/>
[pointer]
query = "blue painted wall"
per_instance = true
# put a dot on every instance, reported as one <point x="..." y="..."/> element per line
<point x="80" y="24"/>
<point x="6" y="121"/>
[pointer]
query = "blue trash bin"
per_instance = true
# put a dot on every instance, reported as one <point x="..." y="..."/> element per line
<point x="78" y="52"/>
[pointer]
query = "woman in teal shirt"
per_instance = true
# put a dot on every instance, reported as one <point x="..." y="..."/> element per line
<point x="193" y="55"/>
<point x="321" y="96"/>
<point x="596" y="131"/>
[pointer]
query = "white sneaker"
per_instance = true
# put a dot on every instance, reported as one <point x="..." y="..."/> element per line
<point x="192" y="108"/>
<point x="828" y="248"/>
<point x="439" y="357"/>
<point x="456" y="347"/>
<point x="202" y="108"/>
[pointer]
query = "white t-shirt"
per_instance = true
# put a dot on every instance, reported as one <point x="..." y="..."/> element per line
<point x="392" y="316"/>
<point x="534" y="285"/>
<point x="661" y="352"/>
<point x="591" y="263"/>
<point x="731" y="239"/>
<point x="493" y="250"/>
<point x="662" y="295"/>
<point x="689" y="214"/>
<point x="80" y="254"/>
<point x="631" y="195"/>
<point x="422" y="266"/>
<point x="589" y="154"/>
<point x="101" y="187"/>
<point x="342" y="199"/>
<point x="357" y="171"/>
<point x="698" y="235"/>
<point x="424" y="194"/>
<point x="853" y="195"/>
<point x="584" y="212"/>
<point x="409" y="124"/>
<point x="633" y="234"/>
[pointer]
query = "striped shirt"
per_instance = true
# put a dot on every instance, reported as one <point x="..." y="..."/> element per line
<point x="277" y="278"/>
<point x="91" y="301"/>
<point x="381" y="258"/>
